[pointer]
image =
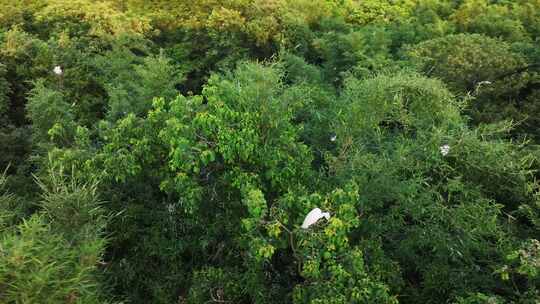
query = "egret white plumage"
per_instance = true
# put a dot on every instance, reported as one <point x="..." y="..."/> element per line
<point x="58" y="70"/>
<point x="445" y="149"/>
<point x="314" y="216"/>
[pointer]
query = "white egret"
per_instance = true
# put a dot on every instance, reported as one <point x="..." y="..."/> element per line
<point x="58" y="70"/>
<point x="314" y="216"/>
<point x="445" y="149"/>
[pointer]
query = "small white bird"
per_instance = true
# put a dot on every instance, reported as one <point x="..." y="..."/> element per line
<point x="445" y="149"/>
<point x="485" y="82"/>
<point x="314" y="216"/>
<point x="58" y="70"/>
<point x="333" y="138"/>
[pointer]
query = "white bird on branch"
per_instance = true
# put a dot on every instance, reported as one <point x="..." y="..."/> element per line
<point x="314" y="216"/>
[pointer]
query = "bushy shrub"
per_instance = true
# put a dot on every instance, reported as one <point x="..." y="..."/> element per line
<point x="13" y="210"/>
<point x="463" y="61"/>
<point x="53" y="256"/>
<point x="132" y="82"/>
<point x="491" y="19"/>
<point x="418" y="197"/>
<point x="52" y="117"/>
<point x="4" y="88"/>
<point x="498" y="78"/>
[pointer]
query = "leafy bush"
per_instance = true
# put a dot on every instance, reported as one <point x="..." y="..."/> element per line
<point x="417" y="199"/>
<point x="4" y="88"/>
<point x="465" y="60"/>
<point x="499" y="79"/>
<point x="53" y="256"/>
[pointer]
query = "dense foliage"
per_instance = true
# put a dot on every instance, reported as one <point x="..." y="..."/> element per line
<point x="169" y="151"/>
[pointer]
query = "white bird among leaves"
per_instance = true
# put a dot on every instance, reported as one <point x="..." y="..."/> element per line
<point x="314" y="216"/>
<point x="445" y="149"/>
<point x="58" y="70"/>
